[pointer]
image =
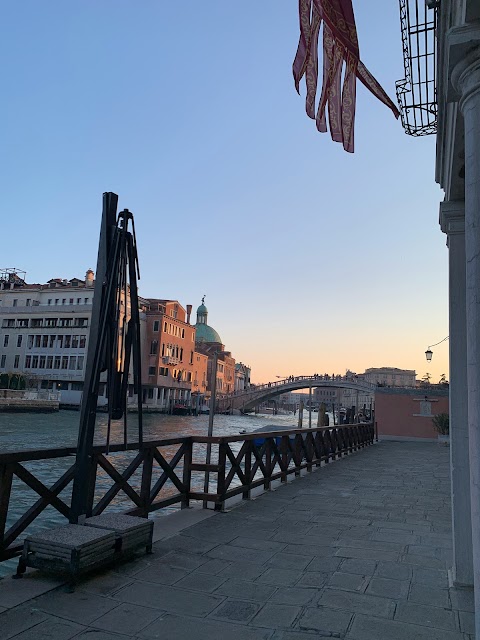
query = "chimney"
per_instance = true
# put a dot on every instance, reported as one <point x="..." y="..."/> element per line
<point x="189" y="312"/>
<point x="89" y="278"/>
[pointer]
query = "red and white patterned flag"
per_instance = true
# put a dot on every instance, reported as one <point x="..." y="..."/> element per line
<point x="340" y="45"/>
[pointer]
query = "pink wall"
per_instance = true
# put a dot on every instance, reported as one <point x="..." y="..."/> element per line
<point x="397" y="414"/>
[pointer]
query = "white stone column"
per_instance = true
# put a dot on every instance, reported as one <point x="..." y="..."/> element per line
<point x="465" y="51"/>
<point x="452" y="221"/>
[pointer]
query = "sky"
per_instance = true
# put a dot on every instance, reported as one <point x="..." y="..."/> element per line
<point x="312" y="260"/>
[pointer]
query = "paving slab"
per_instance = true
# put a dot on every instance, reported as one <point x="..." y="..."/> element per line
<point x="171" y="627"/>
<point x="127" y="619"/>
<point x="356" y="550"/>
<point x="372" y="628"/>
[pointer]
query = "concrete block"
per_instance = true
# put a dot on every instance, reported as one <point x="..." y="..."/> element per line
<point x="325" y="565"/>
<point x="33" y="584"/>
<point x="227" y="552"/>
<point x="388" y="588"/>
<point x="50" y="629"/>
<point x="347" y="582"/>
<point x="293" y="595"/>
<point x="236" y="611"/>
<point x="426" y="616"/>
<point x="79" y="607"/>
<point x="186" y="561"/>
<point x="213" y="567"/>
<point x="168" y="599"/>
<point x="274" y="616"/>
<point x="325" y="621"/>
<point x="431" y="577"/>
<point x="245" y="590"/>
<point x="170" y="627"/>
<point x="243" y="570"/>
<point x="366" y="554"/>
<point x="357" y="602"/>
<point x="467" y="622"/>
<point x="126" y="618"/>
<point x="280" y="577"/>
<point x="284" y="560"/>
<point x="197" y="581"/>
<point x="423" y="594"/>
<point x="462" y="599"/>
<point x="255" y="543"/>
<point x="99" y="634"/>
<point x="313" y="579"/>
<point x="161" y="574"/>
<point x="361" y="567"/>
<point x="371" y="628"/>
<point x="394" y="570"/>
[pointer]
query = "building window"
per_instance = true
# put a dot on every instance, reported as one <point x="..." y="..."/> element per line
<point x="64" y="300"/>
<point x="80" y="363"/>
<point x="15" y="302"/>
<point x="163" y="371"/>
<point x="81" y="322"/>
<point x="5" y="340"/>
<point x="154" y="347"/>
<point x="41" y="363"/>
<point x="56" y="362"/>
<point x="19" y="340"/>
<point x="50" y="322"/>
<point x="79" y="300"/>
<point x="34" y="362"/>
<point x="3" y="362"/>
<point x="57" y="300"/>
<point x="28" y="362"/>
<point x="28" y="302"/>
<point x="37" y="322"/>
<point x="165" y="327"/>
<point x="74" y="342"/>
<point x="71" y="300"/>
<point x="150" y="394"/>
<point x="52" y="341"/>
<point x="49" y="362"/>
<point x="59" y="342"/>
<point x="16" y="362"/>
<point x="38" y="340"/>
<point x="73" y="362"/>
<point x="83" y="340"/>
<point x="64" y="362"/>
<point x="151" y="371"/>
<point x="44" y="342"/>
<point x="68" y="342"/>
<point x="49" y="301"/>
<point x="23" y="324"/>
<point x="86" y="300"/>
<point x="156" y="325"/>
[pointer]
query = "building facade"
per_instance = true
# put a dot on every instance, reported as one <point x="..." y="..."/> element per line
<point x="390" y="376"/>
<point x="44" y="331"/>
<point x="171" y="368"/>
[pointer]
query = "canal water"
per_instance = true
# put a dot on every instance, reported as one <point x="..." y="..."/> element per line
<point x="28" y="431"/>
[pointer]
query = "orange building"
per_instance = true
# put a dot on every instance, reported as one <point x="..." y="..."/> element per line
<point x="209" y="343"/>
<point x="171" y="369"/>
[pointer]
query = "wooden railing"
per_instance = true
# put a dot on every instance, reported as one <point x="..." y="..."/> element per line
<point x="161" y="473"/>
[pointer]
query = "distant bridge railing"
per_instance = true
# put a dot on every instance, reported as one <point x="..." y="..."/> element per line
<point x="248" y="398"/>
<point x="35" y="486"/>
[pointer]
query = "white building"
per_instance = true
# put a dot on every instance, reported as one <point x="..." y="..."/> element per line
<point x="44" y="331"/>
<point x="390" y="376"/>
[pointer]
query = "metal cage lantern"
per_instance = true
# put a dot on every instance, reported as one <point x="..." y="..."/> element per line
<point x="428" y="354"/>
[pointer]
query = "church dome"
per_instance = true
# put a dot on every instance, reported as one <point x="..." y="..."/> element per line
<point x="204" y="333"/>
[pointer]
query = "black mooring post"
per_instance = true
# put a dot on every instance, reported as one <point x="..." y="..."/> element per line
<point x="96" y="361"/>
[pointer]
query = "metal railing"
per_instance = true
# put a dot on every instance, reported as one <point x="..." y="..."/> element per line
<point x="139" y="480"/>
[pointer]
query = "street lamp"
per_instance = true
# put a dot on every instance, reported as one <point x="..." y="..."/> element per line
<point x="429" y="352"/>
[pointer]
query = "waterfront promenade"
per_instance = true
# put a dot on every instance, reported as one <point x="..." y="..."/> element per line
<point x="357" y="549"/>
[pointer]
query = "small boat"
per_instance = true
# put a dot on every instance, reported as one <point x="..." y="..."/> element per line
<point x="180" y="409"/>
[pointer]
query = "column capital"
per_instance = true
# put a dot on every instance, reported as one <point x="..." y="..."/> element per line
<point x="452" y="216"/>
<point x="463" y="62"/>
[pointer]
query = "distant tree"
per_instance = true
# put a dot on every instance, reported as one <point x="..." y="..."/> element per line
<point x="443" y="379"/>
<point x="426" y="378"/>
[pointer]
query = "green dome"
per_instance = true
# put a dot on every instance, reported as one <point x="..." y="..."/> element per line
<point x="202" y="309"/>
<point x="204" y="333"/>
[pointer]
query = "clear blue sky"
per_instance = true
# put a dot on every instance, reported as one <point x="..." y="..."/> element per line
<point x="312" y="259"/>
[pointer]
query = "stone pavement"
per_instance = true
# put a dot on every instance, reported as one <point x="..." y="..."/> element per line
<point x="357" y="549"/>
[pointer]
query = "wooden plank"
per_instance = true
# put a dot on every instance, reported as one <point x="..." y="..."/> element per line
<point x="112" y="492"/>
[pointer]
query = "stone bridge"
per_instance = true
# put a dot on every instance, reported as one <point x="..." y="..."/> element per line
<point x="247" y="400"/>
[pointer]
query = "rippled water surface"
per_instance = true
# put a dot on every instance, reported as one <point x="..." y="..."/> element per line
<point x="29" y="431"/>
